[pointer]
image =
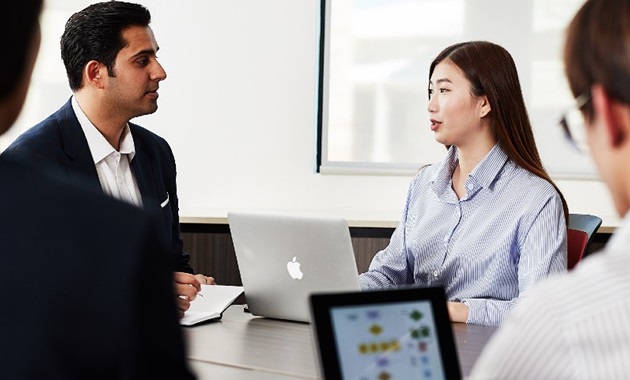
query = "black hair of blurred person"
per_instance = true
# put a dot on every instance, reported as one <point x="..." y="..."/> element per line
<point x="19" y="20"/>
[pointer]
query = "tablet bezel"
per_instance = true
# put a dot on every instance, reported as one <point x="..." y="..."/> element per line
<point x="322" y="329"/>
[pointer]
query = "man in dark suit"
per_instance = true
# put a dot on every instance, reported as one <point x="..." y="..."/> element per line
<point x="77" y="303"/>
<point x="109" y="52"/>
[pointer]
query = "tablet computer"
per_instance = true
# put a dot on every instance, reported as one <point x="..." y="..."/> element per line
<point x="386" y="334"/>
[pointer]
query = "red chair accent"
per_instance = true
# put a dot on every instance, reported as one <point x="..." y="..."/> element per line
<point x="580" y="234"/>
<point x="576" y="245"/>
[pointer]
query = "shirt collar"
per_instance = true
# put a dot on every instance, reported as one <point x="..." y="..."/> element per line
<point x="441" y="180"/>
<point x="99" y="146"/>
<point x="483" y="174"/>
<point x="489" y="167"/>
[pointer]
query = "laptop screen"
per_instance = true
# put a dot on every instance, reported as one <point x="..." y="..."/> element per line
<point x="283" y="259"/>
<point x="393" y="334"/>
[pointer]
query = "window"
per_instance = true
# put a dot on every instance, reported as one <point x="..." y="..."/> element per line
<point x="374" y="76"/>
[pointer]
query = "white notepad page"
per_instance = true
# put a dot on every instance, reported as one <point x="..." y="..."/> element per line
<point x="213" y="301"/>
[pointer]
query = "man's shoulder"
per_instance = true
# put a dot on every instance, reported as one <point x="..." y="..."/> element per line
<point x="151" y="144"/>
<point x="40" y="133"/>
<point x="141" y="133"/>
<point x="30" y="193"/>
<point x="599" y="282"/>
<point x="44" y="190"/>
<point x="41" y="136"/>
<point x="36" y="198"/>
<point x="62" y="237"/>
<point x="569" y="317"/>
<point x="50" y="124"/>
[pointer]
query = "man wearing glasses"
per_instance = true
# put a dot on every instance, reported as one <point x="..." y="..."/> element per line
<point x="578" y="325"/>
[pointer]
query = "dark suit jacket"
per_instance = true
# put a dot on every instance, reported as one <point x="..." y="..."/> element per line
<point x="60" y="141"/>
<point x="86" y="290"/>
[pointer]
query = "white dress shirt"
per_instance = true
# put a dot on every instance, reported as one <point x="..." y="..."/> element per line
<point x="113" y="167"/>
<point x="575" y="326"/>
<point x="486" y="249"/>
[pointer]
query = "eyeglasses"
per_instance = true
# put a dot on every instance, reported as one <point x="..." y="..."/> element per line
<point x="573" y="126"/>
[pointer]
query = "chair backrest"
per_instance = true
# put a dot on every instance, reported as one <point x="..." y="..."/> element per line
<point x="582" y="229"/>
<point x="576" y="246"/>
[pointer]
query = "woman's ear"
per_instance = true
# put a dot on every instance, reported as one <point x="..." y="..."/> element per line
<point x="613" y="116"/>
<point x="485" y="107"/>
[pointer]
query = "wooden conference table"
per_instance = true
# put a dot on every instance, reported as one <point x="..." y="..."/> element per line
<point x="242" y="346"/>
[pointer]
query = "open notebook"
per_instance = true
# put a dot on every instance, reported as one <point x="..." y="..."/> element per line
<point x="214" y="299"/>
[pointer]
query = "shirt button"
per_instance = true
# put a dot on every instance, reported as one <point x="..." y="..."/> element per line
<point x="445" y="238"/>
<point x="470" y="186"/>
<point x="435" y="273"/>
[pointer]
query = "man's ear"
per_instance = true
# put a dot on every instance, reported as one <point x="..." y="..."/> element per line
<point x="93" y="73"/>
<point x="614" y="116"/>
<point x="485" y="107"/>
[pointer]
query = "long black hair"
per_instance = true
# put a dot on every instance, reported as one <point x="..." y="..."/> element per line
<point x="491" y="71"/>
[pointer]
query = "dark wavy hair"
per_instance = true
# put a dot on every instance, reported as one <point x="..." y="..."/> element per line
<point x="18" y="22"/>
<point x="95" y="33"/>
<point x="491" y="71"/>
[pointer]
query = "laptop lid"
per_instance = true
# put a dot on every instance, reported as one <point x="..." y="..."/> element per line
<point x="283" y="259"/>
<point x="387" y="334"/>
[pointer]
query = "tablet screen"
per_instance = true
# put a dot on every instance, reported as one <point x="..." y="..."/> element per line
<point x="387" y="341"/>
<point x="384" y="335"/>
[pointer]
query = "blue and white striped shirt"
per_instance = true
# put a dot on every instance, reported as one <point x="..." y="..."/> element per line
<point x="571" y="327"/>
<point x="488" y="248"/>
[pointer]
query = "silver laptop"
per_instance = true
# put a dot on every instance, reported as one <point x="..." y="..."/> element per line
<point x="283" y="259"/>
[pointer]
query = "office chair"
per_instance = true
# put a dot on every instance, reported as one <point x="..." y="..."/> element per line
<point x="582" y="229"/>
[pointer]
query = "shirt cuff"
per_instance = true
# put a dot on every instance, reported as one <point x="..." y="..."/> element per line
<point x="477" y="313"/>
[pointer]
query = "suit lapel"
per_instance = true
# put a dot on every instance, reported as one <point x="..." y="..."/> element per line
<point x="81" y="164"/>
<point x="142" y="169"/>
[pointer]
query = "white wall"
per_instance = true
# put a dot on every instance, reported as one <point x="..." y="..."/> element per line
<point x="239" y="109"/>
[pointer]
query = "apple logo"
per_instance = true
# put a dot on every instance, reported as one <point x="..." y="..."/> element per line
<point x="294" y="269"/>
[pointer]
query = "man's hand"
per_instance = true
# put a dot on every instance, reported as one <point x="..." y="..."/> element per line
<point x="186" y="288"/>
<point x="205" y="280"/>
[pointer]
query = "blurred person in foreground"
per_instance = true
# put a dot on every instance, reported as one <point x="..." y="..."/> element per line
<point x="576" y="326"/>
<point x="77" y="304"/>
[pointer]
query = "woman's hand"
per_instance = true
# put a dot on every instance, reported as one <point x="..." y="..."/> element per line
<point x="457" y="311"/>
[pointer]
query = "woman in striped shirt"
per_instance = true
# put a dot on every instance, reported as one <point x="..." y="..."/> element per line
<point x="487" y="222"/>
